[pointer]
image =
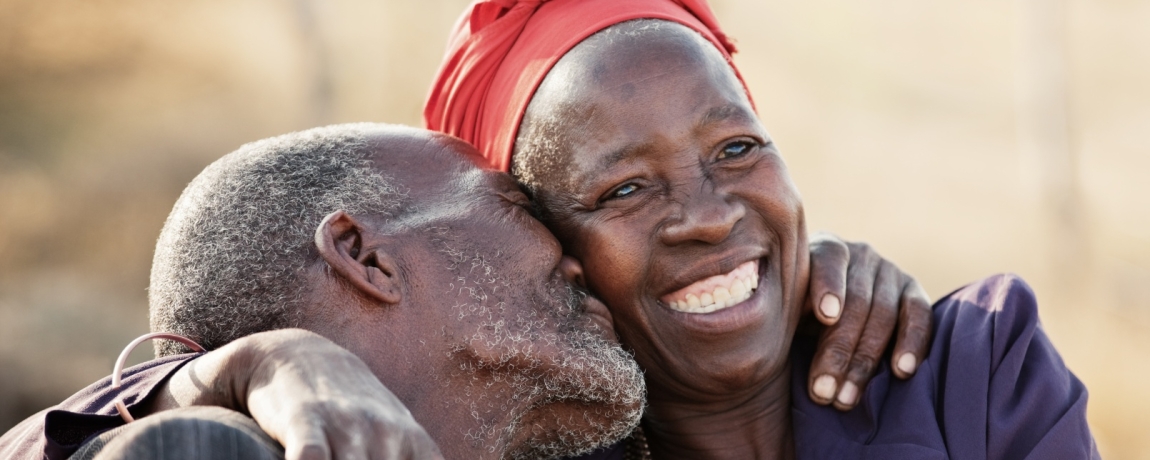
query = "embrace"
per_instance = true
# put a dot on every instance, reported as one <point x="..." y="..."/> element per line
<point x="595" y="251"/>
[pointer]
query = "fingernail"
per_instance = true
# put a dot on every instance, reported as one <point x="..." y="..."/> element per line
<point x="907" y="363"/>
<point x="848" y="394"/>
<point x="830" y="306"/>
<point x="825" y="387"/>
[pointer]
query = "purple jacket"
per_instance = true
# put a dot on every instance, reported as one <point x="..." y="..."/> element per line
<point x="992" y="387"/>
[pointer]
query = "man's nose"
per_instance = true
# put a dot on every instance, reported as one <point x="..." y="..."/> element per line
<point x="572" y="271"/>
<point x="706" y="217"/>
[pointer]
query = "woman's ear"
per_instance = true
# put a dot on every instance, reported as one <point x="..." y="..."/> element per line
<point x="340" y="242"/>
<point x="572" y="270"/>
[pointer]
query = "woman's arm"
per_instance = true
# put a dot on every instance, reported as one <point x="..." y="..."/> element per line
<point x="314" y="397"/>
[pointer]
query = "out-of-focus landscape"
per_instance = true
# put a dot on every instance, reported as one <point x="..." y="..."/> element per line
<point x="960" y="138"/>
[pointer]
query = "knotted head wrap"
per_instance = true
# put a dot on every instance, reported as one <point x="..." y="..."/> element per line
<point x="500" y="51"/>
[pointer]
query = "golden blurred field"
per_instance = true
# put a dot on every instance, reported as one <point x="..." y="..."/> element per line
<point x="960" y="138"/>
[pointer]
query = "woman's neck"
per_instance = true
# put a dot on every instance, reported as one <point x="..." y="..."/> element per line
<point x="752" y="425"/>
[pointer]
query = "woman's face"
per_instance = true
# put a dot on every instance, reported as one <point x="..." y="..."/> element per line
<point x="670" y="192"/>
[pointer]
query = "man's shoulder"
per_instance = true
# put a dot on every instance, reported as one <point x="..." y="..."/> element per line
<point x="56" y="432"/>
<point x="25" y="440"/>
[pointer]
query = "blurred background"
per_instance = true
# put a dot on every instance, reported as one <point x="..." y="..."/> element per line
<point x="960" y="138"/>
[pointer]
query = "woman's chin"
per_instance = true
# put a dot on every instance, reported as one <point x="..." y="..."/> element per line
<point x="735" y="348"/>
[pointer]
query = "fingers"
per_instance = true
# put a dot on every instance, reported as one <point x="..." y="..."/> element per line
<point x="829" y="260"/>
<point x="837" y="344"/>
<point x="395" y="440"/>
<point x="369" y="437"/>
<point x="915" y="324"/>
<point x="351" y="444"/>
<point x="878" y="298"/>
<point x="418" y="445"/>
<point x="304" y="440"/>
<point x="875" y="336"/>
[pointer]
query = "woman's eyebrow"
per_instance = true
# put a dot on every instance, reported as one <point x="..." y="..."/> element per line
<point x="723" y="113"/>
<point x="611" y="159"/>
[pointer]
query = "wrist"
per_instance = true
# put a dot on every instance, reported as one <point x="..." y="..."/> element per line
<point x="225" y="377"/>
<point x="253" y="361"/>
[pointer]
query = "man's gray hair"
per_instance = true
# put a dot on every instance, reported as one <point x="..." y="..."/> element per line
<point x="230" y="258"/>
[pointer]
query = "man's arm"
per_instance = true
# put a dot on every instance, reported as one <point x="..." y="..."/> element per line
<point x="864" y="301"/>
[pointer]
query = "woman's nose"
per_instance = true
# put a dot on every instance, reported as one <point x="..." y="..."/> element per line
<point x="704" y="217"/>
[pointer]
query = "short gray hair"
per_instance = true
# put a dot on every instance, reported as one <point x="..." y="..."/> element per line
<point x="230" y="257"/>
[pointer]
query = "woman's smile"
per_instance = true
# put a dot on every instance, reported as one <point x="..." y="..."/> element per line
<point x="716" y="292"/>
<point x="723" y="303"/>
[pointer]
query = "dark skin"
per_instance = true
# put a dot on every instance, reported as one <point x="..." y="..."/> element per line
<point x="670" y="178"/>
<point x="374" y="283"/>
<point x="386" y="313"/>
<point x="857" y="297"/>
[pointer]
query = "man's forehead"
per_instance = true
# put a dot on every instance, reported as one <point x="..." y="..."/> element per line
<point x="439" y="173"/>
<point x="421" y="159"/>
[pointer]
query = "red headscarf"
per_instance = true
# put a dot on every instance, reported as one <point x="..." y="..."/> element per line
<point x="500" y="51"/>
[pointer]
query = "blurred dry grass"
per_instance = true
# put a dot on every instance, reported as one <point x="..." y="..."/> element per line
<point x="906" y="124"/>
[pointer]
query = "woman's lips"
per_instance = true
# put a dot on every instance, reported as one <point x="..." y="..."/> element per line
<point x="601" y="316"/>
<point x="716" y="292"/>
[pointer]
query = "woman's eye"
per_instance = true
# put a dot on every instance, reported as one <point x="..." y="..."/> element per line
<point x="624" y="191"/>
<point x="735" y="149"/>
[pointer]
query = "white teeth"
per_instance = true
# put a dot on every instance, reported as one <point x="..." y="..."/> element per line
<point x="739" y="288"/>
<point x="722" y="295"/>
<point x="720" y="298"/>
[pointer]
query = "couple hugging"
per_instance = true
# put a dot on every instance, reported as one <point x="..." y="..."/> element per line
<point x="640" y="286"/>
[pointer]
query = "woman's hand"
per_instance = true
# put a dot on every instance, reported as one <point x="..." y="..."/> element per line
<point x="878" y="296"/>
<point x="317" y="399"/>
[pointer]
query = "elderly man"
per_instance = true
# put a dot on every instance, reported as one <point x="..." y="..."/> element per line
<point x="429" y="274"/>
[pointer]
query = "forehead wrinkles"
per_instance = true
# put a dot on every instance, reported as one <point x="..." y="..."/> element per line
<point x="615" y="62"/>
<point x="451" y="195"/>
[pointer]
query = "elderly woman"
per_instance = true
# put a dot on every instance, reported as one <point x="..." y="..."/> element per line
<point x="642" y="149"/>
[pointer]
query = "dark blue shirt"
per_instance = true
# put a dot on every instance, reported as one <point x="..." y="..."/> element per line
<point x="992" y="387"/>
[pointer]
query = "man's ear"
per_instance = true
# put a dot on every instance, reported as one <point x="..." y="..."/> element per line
<point x="340" y="241"/>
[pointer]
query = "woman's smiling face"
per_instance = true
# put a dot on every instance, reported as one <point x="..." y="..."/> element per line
<point x="654" y="171"/>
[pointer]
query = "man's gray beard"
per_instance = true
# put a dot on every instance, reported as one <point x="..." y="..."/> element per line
<point x="592" y="372"/>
